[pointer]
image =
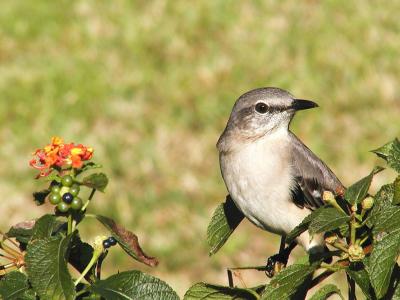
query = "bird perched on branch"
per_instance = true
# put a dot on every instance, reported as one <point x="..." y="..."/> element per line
<point x="271" y="176"/>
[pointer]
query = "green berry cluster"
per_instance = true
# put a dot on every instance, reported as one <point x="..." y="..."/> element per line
<point x="65" y="195"/>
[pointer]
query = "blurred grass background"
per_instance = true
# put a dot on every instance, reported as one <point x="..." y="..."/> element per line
<point x="150" y="85"/>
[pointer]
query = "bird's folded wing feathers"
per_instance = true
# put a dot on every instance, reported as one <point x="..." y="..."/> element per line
<point x="312" y="176"/>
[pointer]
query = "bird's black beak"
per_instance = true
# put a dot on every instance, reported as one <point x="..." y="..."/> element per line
<point x="300" y="104"/>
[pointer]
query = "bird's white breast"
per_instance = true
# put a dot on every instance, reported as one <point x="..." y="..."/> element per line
<point x="258" y="177"/>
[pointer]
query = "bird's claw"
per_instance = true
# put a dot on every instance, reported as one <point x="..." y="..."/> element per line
<point x="275" y="264"/>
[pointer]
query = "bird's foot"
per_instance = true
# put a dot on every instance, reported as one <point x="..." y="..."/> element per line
<point x="275" y="264"/>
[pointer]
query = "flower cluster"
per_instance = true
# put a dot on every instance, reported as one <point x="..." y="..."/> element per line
<point x="58" y="155"/>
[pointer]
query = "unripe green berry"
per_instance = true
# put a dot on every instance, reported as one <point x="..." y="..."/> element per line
<point x="367" y="203"/>
<point x="67" y="181"/>
<point x="62" y="207"/>
<point x="54" y="198"/>
<point x="74" y="190"/>
<point x="55" y="189"/>
<point x="76" y="203"/>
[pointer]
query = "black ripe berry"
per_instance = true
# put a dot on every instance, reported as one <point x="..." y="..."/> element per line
<point x="106" y="244"/>
<point x="67" y="198"/>
<point x="112" y="241"/>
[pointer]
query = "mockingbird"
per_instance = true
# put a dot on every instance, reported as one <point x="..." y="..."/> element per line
<point x="272" y="177"/>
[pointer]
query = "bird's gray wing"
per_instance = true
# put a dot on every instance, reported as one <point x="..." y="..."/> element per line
<point x="312" y="176"/>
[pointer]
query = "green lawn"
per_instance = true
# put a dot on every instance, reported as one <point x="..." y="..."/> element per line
<point x="150" y="85"/>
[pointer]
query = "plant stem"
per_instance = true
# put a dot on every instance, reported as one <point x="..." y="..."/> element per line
<point x="88" y="201"/>
<point x="352" y="288"/>
<point x="93" y="260"/>
<point x="9" y="250"/>
<point x="353" y="225"/>
<point x="85" y="290"/>
<point x="69" y="231"/>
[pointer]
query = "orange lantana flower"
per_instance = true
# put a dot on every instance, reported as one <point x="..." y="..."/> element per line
<point x="58" y="154"/>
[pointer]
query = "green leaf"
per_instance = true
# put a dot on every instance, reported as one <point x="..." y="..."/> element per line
<point x="361" y="277"/>
<point x="393" y="158"/>
<point x="396" y="192"/>
<point x="223" y="222"/>
<point x="210" y="291"/>
<point x="382" y="261"/>
<point x="40" y="197"/>
<point x="327" y="219"/>
<point x="325" y="292"/>
<point x="134" y="285"/>
<point x="53" y="177"/>
<point x="302" y="227"/>
<point x="14" y="286"/>
<point x="47" y="268"/>
<point x="359" y="190"/>
<point x="22" y="231"/>
<point x="382" y="199"/>
<point x="87" y="166"/>
<point x="96" y="181"/>
<point x="45" y="226"/>
<point x="128" y="241"/>
<point x="286" y="282"/>
<point x="387" y="220"/>
<point x="384" y="151"/>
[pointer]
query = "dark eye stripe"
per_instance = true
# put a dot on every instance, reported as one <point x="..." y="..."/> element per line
<point x="263" y="108"/>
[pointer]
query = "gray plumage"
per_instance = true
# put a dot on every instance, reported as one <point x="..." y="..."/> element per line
<point x="272" y="177"/>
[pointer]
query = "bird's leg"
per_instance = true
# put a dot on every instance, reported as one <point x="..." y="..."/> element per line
<point x="278" y="261"/>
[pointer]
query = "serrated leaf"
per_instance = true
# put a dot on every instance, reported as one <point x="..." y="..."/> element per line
<point x="396" y="191"/>
<point x="383" y="151"/>
<point x="14" y="286"/>
<point x="382" y="199"/>
<point x="134" y="285"/>
<point x="387" y="220"/>
<point x="210" y="291"/>
<point x="359" y="190"/>
<point x="52" y="177"/>
<point x="88" y="166"/>
<point x="46" y="266"/>
<point x="286" y="282"/>
<point x="302" y="227"/>
<point x="393" y="158"/>
<point x="223" y="222"/>
<point x="22" y="231"/>
<point x="44" y="226"/>
<point x="96" y="181"/>
<point x="361" y="278"/>
<point x="326" y="291"/>
<point x="128" y="241"/>
<point x="40" y="197"/>
<point x="382" y="261"/>
<point x="329" y="218"/>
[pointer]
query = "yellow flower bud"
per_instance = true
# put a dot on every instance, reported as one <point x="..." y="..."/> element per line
<point x="356" y="253"/>
<point x="367" y="203"/>
<point x="331" y="239"/>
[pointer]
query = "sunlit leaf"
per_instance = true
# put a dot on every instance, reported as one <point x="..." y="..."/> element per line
<point x="223" y="222"/>
<point x="359" y="190"/>
<point x="382" y="261"/>
<point x="326" y="291"/>
<point x="211" y="291"/>
<point x="133" y="285"/>
<point x="46" y="266"/>
<point x="327" y="219"/>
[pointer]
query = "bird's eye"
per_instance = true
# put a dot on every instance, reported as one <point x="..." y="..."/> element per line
<point x="261" y="107"/>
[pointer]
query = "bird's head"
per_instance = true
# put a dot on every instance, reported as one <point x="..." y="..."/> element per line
<point x="264" y="110"/>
